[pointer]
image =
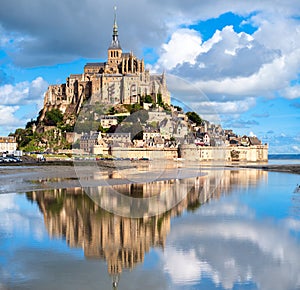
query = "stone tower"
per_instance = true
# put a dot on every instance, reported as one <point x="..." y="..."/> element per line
<point x="114" y="51"/>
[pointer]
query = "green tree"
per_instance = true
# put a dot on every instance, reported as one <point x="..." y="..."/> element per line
<point x="120" y="119"/>
<point x="146" y="99"/>
<point x="159" y="99"/>
<point x="112" y="111"/>
<point x="135" y="108"/>
<point x="179" y="109"/>
<point x="53" y="117"/>
<point x="194" y="117"/>
<point x="101" y="129"/>
<point x="67" y="128"/>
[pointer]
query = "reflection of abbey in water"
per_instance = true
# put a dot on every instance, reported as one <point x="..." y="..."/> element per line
<point x="123" y="242"/>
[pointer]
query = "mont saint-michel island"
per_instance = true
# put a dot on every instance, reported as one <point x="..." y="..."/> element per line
<point x="119" y="109"/>
<point x="146" y="147"/>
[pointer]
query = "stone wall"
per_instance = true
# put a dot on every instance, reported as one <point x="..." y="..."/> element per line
<point x="257" y="153"/>
<point x="151" y="153"/>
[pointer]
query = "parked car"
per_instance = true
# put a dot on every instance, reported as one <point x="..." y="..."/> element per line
<point x="10" y="159"/>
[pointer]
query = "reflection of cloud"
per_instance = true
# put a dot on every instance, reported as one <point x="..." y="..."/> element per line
<point x="234" y="250"/>
<point x="183" y="267"/>
<point x="227" y="209"/>
<point x="14" y="218"/>
<point x="7" y="202"/>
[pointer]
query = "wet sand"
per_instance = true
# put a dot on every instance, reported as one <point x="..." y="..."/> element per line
<point x="54" y="175"/>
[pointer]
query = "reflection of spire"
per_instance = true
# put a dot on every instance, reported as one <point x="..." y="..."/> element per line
<point x="115" y="41"/>
<point x="115" y="282"/>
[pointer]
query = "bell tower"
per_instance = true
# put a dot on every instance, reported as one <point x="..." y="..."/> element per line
<point x="115" y="50"/>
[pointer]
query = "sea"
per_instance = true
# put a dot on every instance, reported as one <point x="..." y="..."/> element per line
<point x="231" y="228"/>
<point x="284" y="158"/>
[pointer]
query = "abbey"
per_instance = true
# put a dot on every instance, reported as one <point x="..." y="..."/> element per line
<point x="122" y="79"/>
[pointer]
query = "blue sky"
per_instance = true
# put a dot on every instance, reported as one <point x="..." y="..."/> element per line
<point x="244" y="56"/>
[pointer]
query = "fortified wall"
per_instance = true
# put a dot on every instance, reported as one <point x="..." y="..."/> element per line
<point x="257" y="153"/>
<point x="138" y="153"/>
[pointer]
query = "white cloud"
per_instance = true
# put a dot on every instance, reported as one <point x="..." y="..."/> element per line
<point x="23" y="93"/>
<point x="7" y="117"/>
<point x="184" y="46"/>
<point x="270" y="77"/>
<point x="232" y="65"/>
<point x="292" y="224"/>
<point x="292" y="92"/>
<point x="13" y="97"/>
<point x="272" y="25"/>
<point x="230" y="107"/>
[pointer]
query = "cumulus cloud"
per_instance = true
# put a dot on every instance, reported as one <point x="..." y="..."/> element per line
<point x="227" y="55"/>
<point x="8" y="120"/>
<point x="231" y="69"/>
<point x="12" y="97"/>
<point x="184" y="46"/>
<point x="292" y="92"/>
<point x="235" y="67"/>
<point x="270" y="77"/>
<point x="23" y="93"/>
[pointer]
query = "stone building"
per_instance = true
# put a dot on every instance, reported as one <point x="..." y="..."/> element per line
<point x="87" y="141"/>
<point x="8" y="144"/>
<point x="122" y="79"/>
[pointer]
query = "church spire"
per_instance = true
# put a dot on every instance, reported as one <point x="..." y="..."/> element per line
<point x="115" y="41"/>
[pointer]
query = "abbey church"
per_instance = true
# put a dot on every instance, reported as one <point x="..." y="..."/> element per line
<point x="122" y="79"/>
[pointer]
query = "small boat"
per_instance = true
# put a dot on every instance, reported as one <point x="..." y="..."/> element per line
<point x="297" y="189"/>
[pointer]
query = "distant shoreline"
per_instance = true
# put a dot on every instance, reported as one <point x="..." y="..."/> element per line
<point x="288" y="168"/>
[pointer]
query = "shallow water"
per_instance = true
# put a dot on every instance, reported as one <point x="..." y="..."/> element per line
<point x="233" y="229"/>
